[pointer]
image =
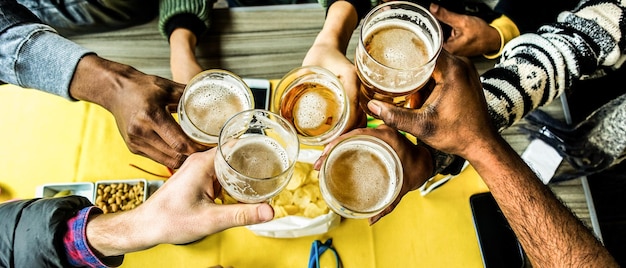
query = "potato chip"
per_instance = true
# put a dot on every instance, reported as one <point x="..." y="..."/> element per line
<point x="283" y="198"/>
<point x="311" y="210"/>
<point x="302" y="196"/>
<point x="279" y="212"/>
<point x="300" y="172"/>
<point x="312" y="177"/>
<point x="291" y="209"/>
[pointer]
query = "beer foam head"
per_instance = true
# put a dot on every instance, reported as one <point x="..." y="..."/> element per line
<point x="258" y="156"/>
<point x="317" y="109"/>
<point x="398" y="47"/>
<point x="209" y="104"/>
<point x="404" y="43"/>
<point x="360" y="178"/>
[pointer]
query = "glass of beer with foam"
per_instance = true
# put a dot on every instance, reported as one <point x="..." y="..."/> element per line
<point x="398" y="47"/>
<point x="313" y="99"/>
<point x="209" y="99"/>
<point x="256" y="155"/>
<point x="361" y="176"/>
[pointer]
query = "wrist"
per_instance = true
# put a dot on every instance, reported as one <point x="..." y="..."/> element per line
<point x="425" y="171"/>
<point x="507" y="30"/>
<point x="100" y="81"/>
<point x="115" y="234"/>
<point x="341" y="20"/>
<point x="183" y="39"/>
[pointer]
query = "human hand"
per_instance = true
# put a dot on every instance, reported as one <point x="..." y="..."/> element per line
<point x="470" y="36"/>
<point x="140" y="104"/>
<point x="415" y="156"/>
<point x="454" y="117"/>
<point x="179" y="212"/>
<point x="329" y="51"/>
<point x="336" y="62"/>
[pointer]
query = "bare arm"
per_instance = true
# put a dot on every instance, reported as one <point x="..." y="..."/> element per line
<point x="329" y="51"/>
<point x="454" y="119"/>
<point x="550" y="234"/>
<point x="183" y="62"/>
<point x="191" y="216"/>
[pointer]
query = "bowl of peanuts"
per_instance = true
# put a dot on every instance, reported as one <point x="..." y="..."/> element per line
<point x="120" y="195"/>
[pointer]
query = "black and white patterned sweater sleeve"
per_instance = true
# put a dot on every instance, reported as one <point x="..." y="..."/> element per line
<point x="536" y="68"/>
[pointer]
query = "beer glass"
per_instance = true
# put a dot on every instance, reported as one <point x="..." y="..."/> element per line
<point x="314" y="101"/>
<point x="398" y="47"/>
<point x="361" y="176"/>
<point x="256" y="154"/>
<point x="209" y="99"/>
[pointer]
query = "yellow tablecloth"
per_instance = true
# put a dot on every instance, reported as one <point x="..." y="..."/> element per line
<point x="46" y="139"/>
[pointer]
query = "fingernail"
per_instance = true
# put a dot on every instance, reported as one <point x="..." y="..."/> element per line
<point x="266" y="212"/>
<point x="317" y="165"/>
<point x="374" y="107"/>
<point x="434" y="8"/>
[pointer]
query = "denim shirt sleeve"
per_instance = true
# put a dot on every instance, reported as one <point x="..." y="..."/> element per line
<point x="34" y="55"/>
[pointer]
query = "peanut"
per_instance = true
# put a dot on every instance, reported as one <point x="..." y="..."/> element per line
<point x="119" y="196"/>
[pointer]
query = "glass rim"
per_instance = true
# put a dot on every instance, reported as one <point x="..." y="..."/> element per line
<point x="287" y="85"/>
<point x="199" y="76"/>
<point x="438" y="29"/>
<point x="282" y="121"/>
<point x="378" y="144"/>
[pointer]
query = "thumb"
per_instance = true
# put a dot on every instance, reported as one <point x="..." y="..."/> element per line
<point x="243" y="214"/>
<point x="443" y="15"/>
<point x="409" y="120"/>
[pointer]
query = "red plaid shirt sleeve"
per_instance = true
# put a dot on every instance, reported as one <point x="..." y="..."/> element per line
<point x="78" y="252"/>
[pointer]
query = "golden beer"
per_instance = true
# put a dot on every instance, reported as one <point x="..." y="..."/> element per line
<point x="313" y="108"/>
<point x="398" y="47"/>
<point x="259" y="158"/>
<point x="361" y="176"/>
<point x="256" y="154"/>
<point x="210" y="99"/>
<point x="313" y="100"/>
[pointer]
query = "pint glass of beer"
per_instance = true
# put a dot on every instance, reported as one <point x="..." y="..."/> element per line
<point x="256" y="154"/>
<point x="209" y="99"/>
<point x="361" y="176"/>
<point x="398" y="47"/>
<point x="314" y="101"/>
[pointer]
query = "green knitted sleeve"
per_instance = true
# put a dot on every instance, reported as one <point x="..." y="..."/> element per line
<point x="170" y="8"/>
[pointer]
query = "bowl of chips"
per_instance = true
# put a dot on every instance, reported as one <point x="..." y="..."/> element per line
<point x="299" y="209"/>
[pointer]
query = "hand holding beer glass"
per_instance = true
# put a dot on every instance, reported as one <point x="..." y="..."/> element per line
<point x="315" y="102"/>
<point x="256" y="154"/>
<point x="209" y="99"/>
<point x="398" y="47"/>
<point x="361" y="176"/>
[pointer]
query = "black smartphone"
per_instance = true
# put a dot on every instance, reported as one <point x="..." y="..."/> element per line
<point x="261" y="91"/>
<point x="499" y="246"/>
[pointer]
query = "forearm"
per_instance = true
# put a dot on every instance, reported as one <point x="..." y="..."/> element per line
<point x="115" y="234"/>
<point x="341" y="20"/>
<point x="183" y="62"/>
<point x="183" y="42"/>
<point x="102" y="82"/>
<point x="549" y="233"/>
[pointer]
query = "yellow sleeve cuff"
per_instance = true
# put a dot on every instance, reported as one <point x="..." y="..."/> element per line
<point x="507" y="30"/>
